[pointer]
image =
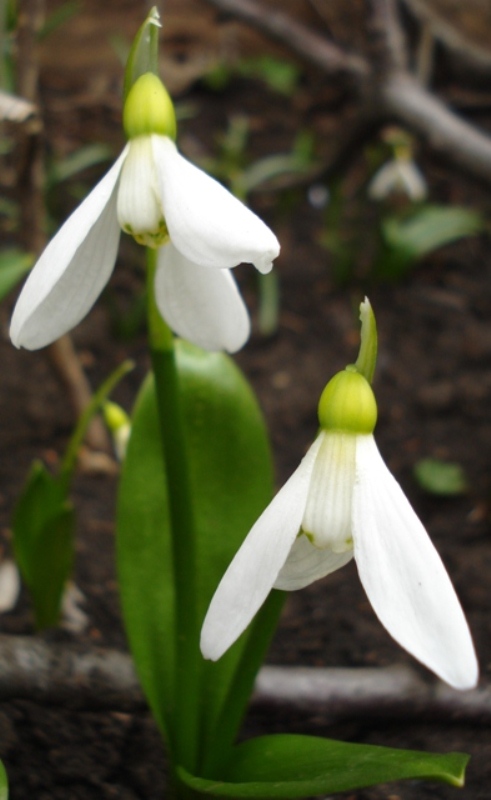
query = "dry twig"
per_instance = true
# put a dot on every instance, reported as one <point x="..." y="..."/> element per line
<point x="382" y="84"/>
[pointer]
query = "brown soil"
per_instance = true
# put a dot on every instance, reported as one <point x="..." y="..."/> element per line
<point x="433" y="386"/>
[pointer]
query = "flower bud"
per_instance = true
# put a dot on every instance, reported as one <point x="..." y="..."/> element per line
<point x="347" y="404"/>
<point x="148" y="109"/>
<point x="119" y="423"/>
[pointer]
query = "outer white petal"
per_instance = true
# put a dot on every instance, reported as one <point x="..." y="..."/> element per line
<point x="254" y="570"/>
<point x="73" y="269"/>
<point x="205" y="221"/>
<point x="307" y="563"/>
<point x="201" y="305"/>
<point x="403" y="574"/>
<point x="398" y="175"/>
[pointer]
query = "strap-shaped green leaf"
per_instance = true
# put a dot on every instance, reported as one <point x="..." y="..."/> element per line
<point x="42" y="527"/>
<point x="4" y="785"/>
<point x="293" y="766"/>
<point x="231" y="481"/>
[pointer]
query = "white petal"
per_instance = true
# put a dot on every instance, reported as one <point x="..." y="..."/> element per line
<point x="307" y="563"/>
<point x="201" y="305"/>
<point x="254" y="570"/>
<point x="205" y="221"/>
<point x="73" y="269"/>
<point x="403" y="574"/>
<point x="328" y="513"/>
<point x="413" y="181"/>
<point x="398" y="175"/>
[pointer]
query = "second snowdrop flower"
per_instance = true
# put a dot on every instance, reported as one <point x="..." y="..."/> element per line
<point x="162" y="200"/>
<point x="342" y="502"/>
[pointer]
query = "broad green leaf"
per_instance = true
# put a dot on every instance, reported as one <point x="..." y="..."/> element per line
<point x="294" y="766"/>
<point x="42" y="530"/>
<point x="440" y="477"/>
<point x="231" y="481"/>
<point x="14" y="264"/>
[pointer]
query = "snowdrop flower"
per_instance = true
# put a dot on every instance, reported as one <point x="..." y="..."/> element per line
<point x="342" y="502"/>
<point x="156" y="195"/>
<point x="399" y="175"/>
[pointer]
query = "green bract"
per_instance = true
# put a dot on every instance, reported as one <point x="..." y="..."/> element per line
<point x="148" y="109"/>
<point x="347" y="404"/>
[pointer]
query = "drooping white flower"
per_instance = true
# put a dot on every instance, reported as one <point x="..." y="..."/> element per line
<point x="400" y="175"/>
<point x="342" y="502"/>
<point x="160" y="198"/>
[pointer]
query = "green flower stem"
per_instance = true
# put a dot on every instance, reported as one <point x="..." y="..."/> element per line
<point x="96" y="403"/>
<point x="185" y="721"/>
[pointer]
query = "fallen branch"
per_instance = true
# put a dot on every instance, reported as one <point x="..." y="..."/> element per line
<point x="313" y="48"/>
<point x="423" y="113"/>
<point x="387" y="88"/>
<point x="72" y="676"/>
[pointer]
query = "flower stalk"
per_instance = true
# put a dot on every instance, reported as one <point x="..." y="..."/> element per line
<point x="183" y="716"/>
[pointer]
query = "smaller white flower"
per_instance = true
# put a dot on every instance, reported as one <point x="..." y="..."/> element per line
<point x="342" y="502"/>
<point x="399" y="175"/>
<point x="153" y="193"/>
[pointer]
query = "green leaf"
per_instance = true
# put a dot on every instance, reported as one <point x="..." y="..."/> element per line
<point x="42" y="530"/>
<point x="440" y="477"/>
<point x="14" y="264"/>
<point x="231" y="481"/>
<point x="278" y="74"/>
<point x="81" y="159"/>
<point x="292" y="766"/>
<point x="410" y="239"/>
<point x="4" y="784"/>
<point x="67" y="10"/>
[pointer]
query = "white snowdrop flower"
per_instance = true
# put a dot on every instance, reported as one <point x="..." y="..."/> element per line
<point x="399" y="175"/>
<point x="342" y="502"/>
<point x="156" y="195"/>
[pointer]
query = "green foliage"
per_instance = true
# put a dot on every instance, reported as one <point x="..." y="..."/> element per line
<point x="292" y="766"/>
<point x="59" y="16"/>
<point x="42" y="529"/>
<point x="231" y="481"/>
<point x="368" y="240"/>
<point x="440" y="477"/>
<point x="279" y="75"/>
<point x="44" y="519"/>
<point x="8" y="21"/>
<point x="14" y="265"/>
<point x="406" y="241"/>
<point x="83" y="158"/>
<point x="4" y="784"/>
